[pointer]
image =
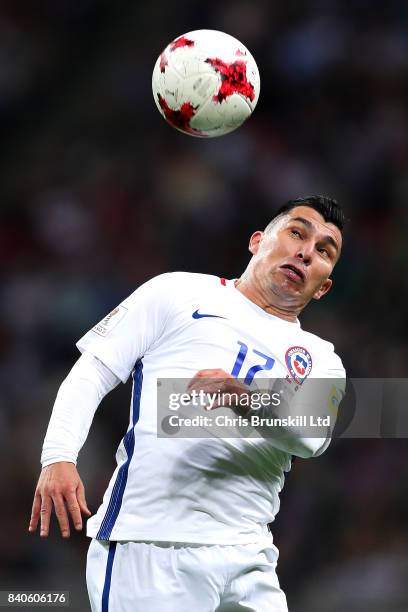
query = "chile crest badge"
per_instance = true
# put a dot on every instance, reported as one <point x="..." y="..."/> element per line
<point x="299" y="363"/>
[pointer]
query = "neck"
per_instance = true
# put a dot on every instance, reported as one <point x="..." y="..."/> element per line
<point x="286" y="313"/>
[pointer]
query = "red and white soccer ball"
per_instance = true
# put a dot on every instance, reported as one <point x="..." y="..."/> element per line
<point x="206" y="83"/>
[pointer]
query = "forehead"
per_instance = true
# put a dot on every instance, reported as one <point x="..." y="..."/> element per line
<point x="318" y="224"/>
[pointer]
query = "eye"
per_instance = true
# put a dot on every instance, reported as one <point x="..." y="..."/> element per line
<point x="296" y="232"/>
<point x="324" y="252"/>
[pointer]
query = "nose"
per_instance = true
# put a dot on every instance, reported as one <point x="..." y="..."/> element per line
<point x="305" y="253"/>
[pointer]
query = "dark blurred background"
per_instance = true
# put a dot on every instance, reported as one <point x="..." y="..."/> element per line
<point x="98" y="194"/>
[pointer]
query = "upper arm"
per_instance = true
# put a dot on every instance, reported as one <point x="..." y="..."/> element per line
<point x="125" y="334"/>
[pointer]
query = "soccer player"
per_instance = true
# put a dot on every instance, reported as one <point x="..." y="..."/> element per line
<point x="183" y="522"/>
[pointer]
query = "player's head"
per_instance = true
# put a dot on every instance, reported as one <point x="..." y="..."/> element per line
<point x="294" y="256"/>
<point x="329" y="209"/>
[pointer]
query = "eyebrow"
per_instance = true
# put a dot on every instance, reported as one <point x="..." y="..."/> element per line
<point x="310" y="225"/>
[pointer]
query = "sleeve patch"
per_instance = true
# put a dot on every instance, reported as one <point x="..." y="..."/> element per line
<point x="110" y="321"/>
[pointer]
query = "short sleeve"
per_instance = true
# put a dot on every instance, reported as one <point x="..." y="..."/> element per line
<point x="336" y="375"/>
<point x="126" y="333"/>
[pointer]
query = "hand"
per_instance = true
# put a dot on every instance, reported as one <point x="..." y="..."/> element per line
<point x="59" y="484"/>
<point x="216" y="381"/>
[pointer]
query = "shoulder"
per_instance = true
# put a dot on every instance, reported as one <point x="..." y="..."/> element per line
<point x="184" y="280"/>
<point x="191" y="277"/>
<point x="171" y="287"/>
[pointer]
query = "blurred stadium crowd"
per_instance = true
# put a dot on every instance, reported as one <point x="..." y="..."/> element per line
<point x="98" y="195"/>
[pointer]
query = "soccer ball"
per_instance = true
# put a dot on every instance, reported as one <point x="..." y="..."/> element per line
<point x="206" y="83"/>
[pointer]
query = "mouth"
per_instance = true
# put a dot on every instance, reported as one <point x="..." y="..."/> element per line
<point x="295" y="273"/>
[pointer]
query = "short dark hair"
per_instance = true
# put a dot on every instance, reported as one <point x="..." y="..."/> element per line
<point x="329" y="208"/>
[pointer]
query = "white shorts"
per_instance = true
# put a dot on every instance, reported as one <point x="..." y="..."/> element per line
<point x="175" y="577"/>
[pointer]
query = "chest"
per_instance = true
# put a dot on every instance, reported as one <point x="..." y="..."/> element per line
<point x="206" y="331"/>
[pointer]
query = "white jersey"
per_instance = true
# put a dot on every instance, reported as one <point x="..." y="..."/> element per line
<point x="199" y="490"/>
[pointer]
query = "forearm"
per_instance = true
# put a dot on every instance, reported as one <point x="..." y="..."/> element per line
<point x="288" y="438"/>
<point x="298" y="421"/>
<point x="77" y="400"/>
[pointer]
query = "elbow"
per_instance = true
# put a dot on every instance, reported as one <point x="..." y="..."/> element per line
<point x="306" y="448"/>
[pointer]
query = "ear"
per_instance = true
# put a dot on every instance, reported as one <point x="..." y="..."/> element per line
<point x="254" y="242"/>
<point x="325" y="288"/>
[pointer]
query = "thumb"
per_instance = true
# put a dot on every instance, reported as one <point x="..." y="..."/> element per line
<point x="81" y="499"/>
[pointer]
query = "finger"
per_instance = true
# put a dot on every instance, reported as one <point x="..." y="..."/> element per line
<point x="45" y="513"/>
<point x="202" y="382"/>
<point x="74" y="509"/>
<point x="211" y="373"/>
<point x="35" y="512"/>
<point x="196" y="378"/>
<point x="215" y="405"/>
<point x="61" y="514"/>
<point x="217" y="373"/>
<point x="81" y="499"/>
<point x="194" y="384"/>
<point x="201" y="373"/>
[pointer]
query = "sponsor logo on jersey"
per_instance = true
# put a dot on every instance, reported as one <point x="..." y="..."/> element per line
<point x="110" y="321"/>
<point x="299" y="363"/>
<point x="199" y="315"/>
